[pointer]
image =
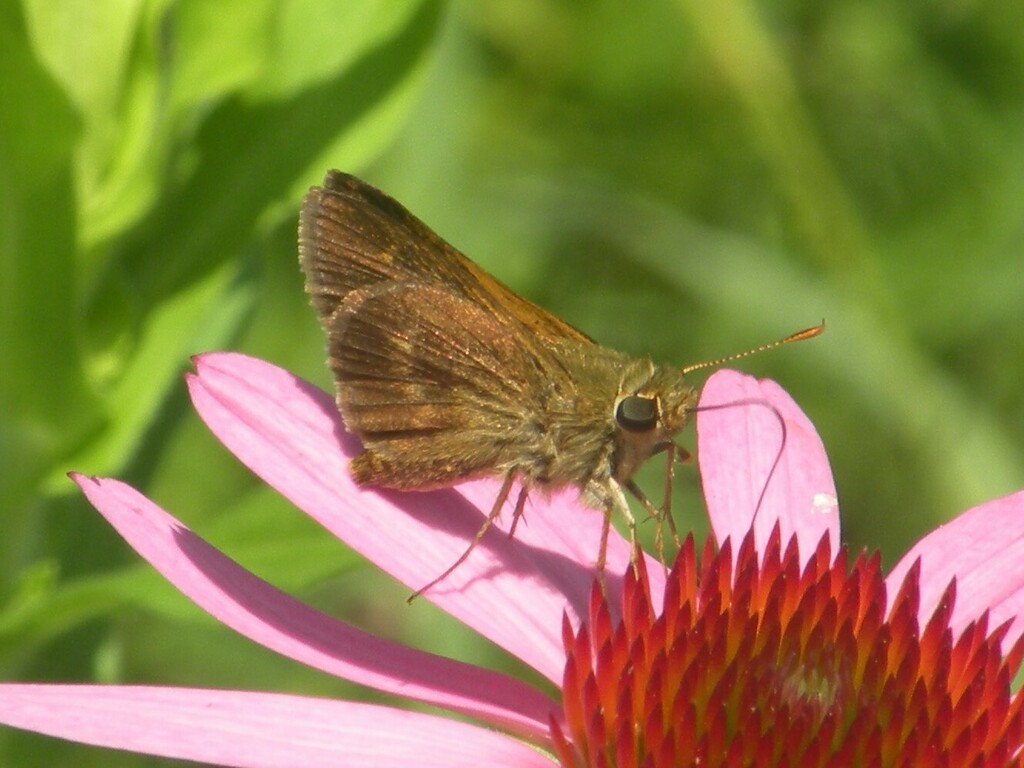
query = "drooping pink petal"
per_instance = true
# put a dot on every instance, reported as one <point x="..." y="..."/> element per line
<point x="256" y="730"/>
<point x="983" y="549"/>
<point x="277" y="621"/>
<point x="736" y="447"/>
<point x="512" y="591"/>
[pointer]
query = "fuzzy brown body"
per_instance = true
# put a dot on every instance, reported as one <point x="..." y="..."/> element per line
<point x="445" y="374"/>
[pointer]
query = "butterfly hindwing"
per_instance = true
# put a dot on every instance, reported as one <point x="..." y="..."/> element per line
<point x="423" y="372"/>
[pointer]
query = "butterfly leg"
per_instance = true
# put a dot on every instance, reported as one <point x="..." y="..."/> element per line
<point x="618" y="499"/>
<point x="499" y="502"/>
<point x="653" y="513"/>
<point x="602" y="551"/>
<point x="676" y="455"/>
<point x="517" y="513"/>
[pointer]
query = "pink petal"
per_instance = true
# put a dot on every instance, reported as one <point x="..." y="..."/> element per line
<point x="256" y="730"/>
<point x="514" y="592"/>
<point x="983" y="549"/>
<point x="736" y="447"/>
<point x="277" y="621"/>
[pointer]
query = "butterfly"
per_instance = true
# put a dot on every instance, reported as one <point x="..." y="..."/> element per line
<point x="446" y="374"/>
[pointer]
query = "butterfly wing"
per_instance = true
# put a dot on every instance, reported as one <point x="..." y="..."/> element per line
<point x="352" y="235"/>
<point x="429" y="381"/>
<point x="439" y="367"/>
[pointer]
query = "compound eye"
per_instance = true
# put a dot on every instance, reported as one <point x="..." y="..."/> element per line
<point x="636" y="413"/>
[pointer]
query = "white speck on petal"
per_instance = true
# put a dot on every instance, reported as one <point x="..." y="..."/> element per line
<point x="824" y="503"/>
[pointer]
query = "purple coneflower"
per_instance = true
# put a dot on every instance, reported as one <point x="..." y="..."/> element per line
<point x="771" y="650"/>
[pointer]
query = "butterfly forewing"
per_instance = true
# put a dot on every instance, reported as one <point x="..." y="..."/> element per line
<point x="352" y="235"/>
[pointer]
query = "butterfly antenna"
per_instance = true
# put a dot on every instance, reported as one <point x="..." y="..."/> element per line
<point x="807" y="333"/>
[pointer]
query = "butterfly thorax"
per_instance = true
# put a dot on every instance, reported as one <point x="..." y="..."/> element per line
<point x="603" y="420"/>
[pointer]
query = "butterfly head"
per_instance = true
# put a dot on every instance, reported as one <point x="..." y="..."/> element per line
<point x="648" y="417"/>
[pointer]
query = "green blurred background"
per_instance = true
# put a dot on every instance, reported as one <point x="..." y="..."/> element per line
<point x="676" y="177"/>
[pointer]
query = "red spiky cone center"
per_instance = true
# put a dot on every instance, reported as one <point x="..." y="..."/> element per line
<point x="767" y="664"/>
